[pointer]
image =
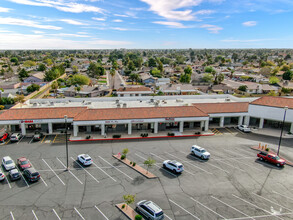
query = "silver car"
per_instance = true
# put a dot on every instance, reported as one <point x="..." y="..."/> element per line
<point x="150" y="210"/>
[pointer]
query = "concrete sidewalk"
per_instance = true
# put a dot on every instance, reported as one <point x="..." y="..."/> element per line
<point x="272" y="132"/>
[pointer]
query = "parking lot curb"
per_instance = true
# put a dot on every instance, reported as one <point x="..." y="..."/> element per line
<point x="257" y="148"/>
<point x="127" y="211"/>
<point x="133" y="138"/>
<point x="137" y="168"/>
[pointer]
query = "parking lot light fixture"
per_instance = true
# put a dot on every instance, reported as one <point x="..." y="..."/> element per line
<point x="282" y="128"/>
<point x="65" y="118"/>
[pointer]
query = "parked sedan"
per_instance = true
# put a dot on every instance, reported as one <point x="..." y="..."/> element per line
<point x="38" y="136"/>
<point x="23" y="163"/>
<point x="85" y="159"/>
<point x="31" y="174"/>
<point x="244" y="128"/>
<point x="15" y="137"/>
<point x="4" y="137"/>
<point x="150" y="210"/>
<point x="2" y="176"/>
<point x="8" y="163"/>
<point x="14" y="174"/>
<point x="173" y="165"/>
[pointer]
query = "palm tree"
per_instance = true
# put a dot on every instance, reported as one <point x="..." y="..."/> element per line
<point x="112" y="73"/>
<point x="54" y="86"/>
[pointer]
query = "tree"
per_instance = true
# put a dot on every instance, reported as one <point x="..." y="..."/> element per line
<point x="265" y="71"/>
<point x="115" y="65"/>
<point x="32" y="88"/>
<point x="149" y="163"/>
<point x="160" y="67"/>
<point x="125" y="151"/>
<point x="288" y="75"/>
<point x="185" y="78"/>
<point x="29" y="63"/>
<point x="131" y="65"/>
<point x="113" y="73"/>
<point x="51" y="75"/>
<point x="134" y="77"/>
<point x="188" y="70"/>
<point x="19" y="99"/>
<point x="272" y="93"/>
<point x="74" y="69"/>
<point x="22" y="74"/>
<point x="286" y="90"/>
<point x="54" y="86"/>
<point x="285" y="68"/>
<point x="274" y="80"/>
<point x="14" y="60"/>
<point x="287" y="57"/>
<point x="219" y="78"/>
<point x="208" y="77"/>
<point x="156" y="73"/>
<point x="242" y="88"/>
<point x="152" y="62"/>
<point x="129" y="199"/>
<point x="42" y="67"/>
<point x="208" y="69"/>
<point x="79" y="79"/>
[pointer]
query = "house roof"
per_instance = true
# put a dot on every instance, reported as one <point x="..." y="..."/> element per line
<point x="39" y="75"/>
<point x="134" y="89"/>
<point x="138" y="113"/>
<point x="272" y="101"/>
<point x="40" y="113"/>
<point x="222" y="107"/>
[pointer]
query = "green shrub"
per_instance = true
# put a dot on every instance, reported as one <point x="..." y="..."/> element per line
<point x="133" y="164"/>
<point x="123" y="157"/>
<point x="123" y="206"/>
<point x="130" y="162"/>
<point x="267" y="149"/>
<point x="138" y="217"/>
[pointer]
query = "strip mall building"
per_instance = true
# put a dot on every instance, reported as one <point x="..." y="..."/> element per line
<point x="151" y="114"/>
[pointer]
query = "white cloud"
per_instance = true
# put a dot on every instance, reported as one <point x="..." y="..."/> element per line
<point x="38" y="32"/>
<point x="27" y="23"/>
<point x="73" y="22"/>
<point x="82" y="32"/>
<point x="5" y="9"/>
<point x="249" y="23"/>
<point x="61" y="5"/>
<point x="214" y="29"/>
<point x="169" y="8"/>
<point x="99" y="19"/>
<point x="117" y="20"/>
<point x="4" y="31"/>
<point x="171" y="24"/>
<point x="119" y="29"/>
<point x="27" y="41"/>
<point x="119" y="15"/>
<point x="204" y="12"/>
<point x="69" y="35"/>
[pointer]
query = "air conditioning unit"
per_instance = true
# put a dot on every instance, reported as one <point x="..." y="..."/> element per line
<point x="124" y="105"/>
<point x="227" y="99"/>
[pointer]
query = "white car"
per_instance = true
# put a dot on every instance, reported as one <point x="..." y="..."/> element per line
<point x="200" y="152"/>
<point x="150" y="210"/>
<point x="2" y="176"/>
<point x="15" y="137"/>
<point x="244" y="128"/>
<point x="173" y="165"/>
<point x="85" y="159"/>
<point x="8" y="163"/>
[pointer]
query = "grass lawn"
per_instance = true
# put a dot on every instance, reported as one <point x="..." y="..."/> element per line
<point x="102" y="81"/>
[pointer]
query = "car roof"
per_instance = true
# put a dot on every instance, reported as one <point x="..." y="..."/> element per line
<point x="14" y="171"/>
<point x="153" y="206"/>
<point x="31" y="170"/>
<point x="85" y="155"/>
<point x="176" y="162"/>
<point x="198" y="147"/>
<point x="7" y="158"/>
<point x="22" y="158"/>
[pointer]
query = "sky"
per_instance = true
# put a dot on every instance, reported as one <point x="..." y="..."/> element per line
<point x="145" y="24"/>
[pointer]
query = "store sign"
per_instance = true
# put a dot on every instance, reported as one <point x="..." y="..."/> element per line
<point x="27" y="121"/>
<point x="111" y="122"/>
<point x="169" y="119"/>
<point x="137" y="121"/>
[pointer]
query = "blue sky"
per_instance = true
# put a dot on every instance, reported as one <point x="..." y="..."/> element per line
<point x="150" y="24"/>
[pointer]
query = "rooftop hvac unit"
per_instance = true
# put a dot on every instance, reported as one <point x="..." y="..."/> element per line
<point x="51" y="103"/>
<point x="117" y="101"/>
<point x="152" y="100"/>
<point x="118" y="105"/>
<point x="35" y="104"/>
<point x="227" y="99"/>
<point x="124" y="105"/>
<point x="156" y="104"/>
<point x="179" y="100"/>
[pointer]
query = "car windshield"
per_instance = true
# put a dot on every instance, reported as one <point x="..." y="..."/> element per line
<point x="9" y="162"/>
<point x="180" y="166"/>
<point x="35" y="174"/>
<point x="89" y="159"/>
<point x="203" y="151"/>
<point x="277" y="158"/>
<point x="24" y="162"/>
<point x="160" y="214"/>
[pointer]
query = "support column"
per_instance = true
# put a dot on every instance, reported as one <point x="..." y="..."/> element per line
<point x="240" y="120"/>
<point x="201" y="124"/>
<point x="261" y="122"/>
<point x="291" y="128"/>
<point x="23" y="130"/>
<point x="191" y="124"/>
<point x="129" y="128"/>
<point x="181" y="125"/>
<point x="246" y="120"/>
<point x="222" y="121"/>
<point x="206" y="125"/>
<point x="88" y="128"/>
<point x="156" y="124"/>
<point x="102" y="129"/>
<point x="75" y="130"/>
<point x="50" y="128"/>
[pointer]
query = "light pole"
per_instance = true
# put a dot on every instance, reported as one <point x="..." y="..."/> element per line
<point x="65" y="118"/>
<point x="285" y="108"/>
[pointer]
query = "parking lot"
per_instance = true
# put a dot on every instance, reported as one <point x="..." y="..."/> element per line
<point x="232" y="184"/>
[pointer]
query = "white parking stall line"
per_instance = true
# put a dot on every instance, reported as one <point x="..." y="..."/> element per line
<point x="101" y="212"/>
<point x="23" y="178"/>
<point x="253" y="167"/>
<point x="12" y="216"/>
<point x="69" y="171"/>
<point x="261" y="216"/>
<point x="35" y="215"/>
<point x="239" y="130"/>
<point x="156" y="165"/>
<point x="232" y="207"/>
<point x="207" y="208"/>
<point x="20" y="140"/>
<point x="273" y="202"/>
<point x="79" y="214"/>
<point x="271" y="214"/>
<point x="41" y="176"/>
<point x="282" y="195"/>
<point x="54" y="172"/>
<point x="31" y="140"/>
<point x="6" y="178"/>
<point x="207" y="163"/>
<point x="185" y="161"/>
<point x="184" y="209"/>
<point x="164" y="160"/>
<point x="85" y="170"/>
<point x="56" y="214"/>
<point x="231" y="165"/>
<point x="167" y="216"/>
<point x="116" y="168"/>
<point x="104" y="172"/>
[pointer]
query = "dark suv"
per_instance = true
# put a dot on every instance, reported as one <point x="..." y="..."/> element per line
<point x="31" y="174"/>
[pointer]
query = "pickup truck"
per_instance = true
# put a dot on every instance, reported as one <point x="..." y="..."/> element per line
<point x="271" y="158"/>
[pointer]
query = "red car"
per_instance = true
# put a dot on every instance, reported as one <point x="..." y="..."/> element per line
<point x="271" y="158"/>
<point x="4" y="137"/>
<point x="23" y="163"/>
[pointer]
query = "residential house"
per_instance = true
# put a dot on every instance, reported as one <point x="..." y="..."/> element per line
<point x="163" y="81"/>
<point x="35" y="78"/>
<point x="147" y="79"/>
<point x="179" y="89"/>
<point x="134" y="91"/>
<point x="85" y="91"/>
